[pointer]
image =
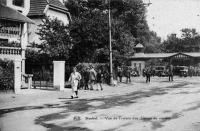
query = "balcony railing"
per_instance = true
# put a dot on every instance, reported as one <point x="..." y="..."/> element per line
<point x="10" y="50"/>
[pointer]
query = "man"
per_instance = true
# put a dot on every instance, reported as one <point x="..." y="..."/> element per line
<point x="171" y="74"/>
<point x="148" y="74"/>
<point x="92" y="77"/>
<point x="128" y="75"/>
<point x="86" y="76"/>
<point x="99" y="80"/>
<point x="120" y="74"/>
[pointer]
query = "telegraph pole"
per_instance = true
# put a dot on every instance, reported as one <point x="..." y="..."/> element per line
<point x="110" y="44"/>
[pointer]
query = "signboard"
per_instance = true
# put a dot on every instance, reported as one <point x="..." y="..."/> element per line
<point x="10" y="29"/>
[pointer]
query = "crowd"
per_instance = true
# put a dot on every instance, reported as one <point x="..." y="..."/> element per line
<point x="85" y="80"/>
<point x="193" y="71"/>
<point x="88" y="77"/>
<point x="149" y="71"/>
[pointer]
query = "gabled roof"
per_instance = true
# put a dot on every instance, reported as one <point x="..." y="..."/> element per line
<point x="139" y="46"/>
<point x="7" y="13"/>
<point x="162" y="55"/>
<point x="37" y="7"/>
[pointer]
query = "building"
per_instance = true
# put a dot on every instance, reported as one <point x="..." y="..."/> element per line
<point x="139" y="59"/>
<point x="39" y="9"/>
<point x="14" y="37"/>
<point x="19" y="20"/>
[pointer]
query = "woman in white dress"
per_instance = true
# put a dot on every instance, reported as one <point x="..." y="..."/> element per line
<point x="74" y="79"/>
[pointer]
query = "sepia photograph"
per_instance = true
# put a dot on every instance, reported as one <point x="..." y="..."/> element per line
<point x="99" y="65"/>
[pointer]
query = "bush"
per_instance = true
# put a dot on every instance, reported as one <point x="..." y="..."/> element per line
<point x="6" y="75"/>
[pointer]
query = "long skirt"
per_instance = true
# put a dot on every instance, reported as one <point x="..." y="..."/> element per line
<point x="74" y="88"/>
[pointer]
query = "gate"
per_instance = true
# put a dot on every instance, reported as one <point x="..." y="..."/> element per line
<point x="42" y="75"/>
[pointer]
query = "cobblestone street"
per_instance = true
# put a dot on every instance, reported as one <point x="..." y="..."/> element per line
<point x="138" y="106"/>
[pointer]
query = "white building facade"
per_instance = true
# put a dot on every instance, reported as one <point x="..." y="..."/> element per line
<point x="16" y="27"/>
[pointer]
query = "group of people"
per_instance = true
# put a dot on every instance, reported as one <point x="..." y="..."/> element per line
<point x="193" y="71"/>
<point x="148" y="72"/>
<point x="126" y="73"/>
<point x="87" y="80"/>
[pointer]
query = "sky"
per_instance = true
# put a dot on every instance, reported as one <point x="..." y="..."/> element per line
<point x="170" y="16"/>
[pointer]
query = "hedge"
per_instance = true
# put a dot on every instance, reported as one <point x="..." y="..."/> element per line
<point x="6" y="75"/>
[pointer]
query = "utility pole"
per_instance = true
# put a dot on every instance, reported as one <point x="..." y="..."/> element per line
<point x="110" y="44"/>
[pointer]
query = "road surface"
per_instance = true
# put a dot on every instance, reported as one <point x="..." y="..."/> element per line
<point x="156" y="106"/>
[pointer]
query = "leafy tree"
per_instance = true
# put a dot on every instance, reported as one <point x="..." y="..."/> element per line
<point x="89" y="29"/>
<point x="189" y="42"/>
<point x="56" y="41"/>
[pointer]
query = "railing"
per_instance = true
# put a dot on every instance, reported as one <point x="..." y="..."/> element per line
<point x="10" y="50"/>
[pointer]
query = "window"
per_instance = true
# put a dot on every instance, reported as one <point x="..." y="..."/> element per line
<point x="3" y="2"/>
<point x="18" y="3"/>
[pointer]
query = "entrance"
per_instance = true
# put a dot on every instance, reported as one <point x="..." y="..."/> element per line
<point x="42" y="75"/>
<point x="181" y="60"/>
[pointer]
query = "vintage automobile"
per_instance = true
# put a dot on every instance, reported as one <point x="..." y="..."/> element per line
<point x="183" y="71"/>
<point x="160" y="71"/>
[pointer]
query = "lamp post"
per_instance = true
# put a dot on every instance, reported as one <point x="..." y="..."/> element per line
<point x="110" y="44"/>
<point x="110" y="39"/>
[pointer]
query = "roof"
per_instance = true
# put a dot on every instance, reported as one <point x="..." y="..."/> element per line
<point x="37" y="7"/>
<point x="162" y="55"/>
<point x="8" y="13"/>
<point x="139" y="46"/>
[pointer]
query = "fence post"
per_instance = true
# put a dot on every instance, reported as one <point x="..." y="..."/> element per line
<point x="17" y="76"/>
<point x="59" y="74"/>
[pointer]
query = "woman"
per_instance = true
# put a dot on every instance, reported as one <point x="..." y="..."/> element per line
<point x="74" y="79"/>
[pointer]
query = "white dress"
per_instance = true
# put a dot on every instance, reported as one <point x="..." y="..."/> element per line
<point x="74" y="80"/>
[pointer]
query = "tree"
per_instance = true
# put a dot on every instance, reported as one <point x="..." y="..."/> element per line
<point x="56" y="41"/>
<point x="89" y="29"/>
<point x="189" y="42"/>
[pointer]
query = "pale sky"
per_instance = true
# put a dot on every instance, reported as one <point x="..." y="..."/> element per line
<point x="170" y="16"/>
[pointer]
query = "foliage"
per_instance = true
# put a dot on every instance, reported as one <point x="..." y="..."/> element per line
<point x="89" y="30"/>
<point x="56" y="40"/>
<point x="189" y="42"/>
<point x="6" y="75"/>
<point x="36" y="60"/>
<point x="86" y="39"/>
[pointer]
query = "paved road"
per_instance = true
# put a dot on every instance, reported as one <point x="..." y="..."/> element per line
<point x="160" y="106"/>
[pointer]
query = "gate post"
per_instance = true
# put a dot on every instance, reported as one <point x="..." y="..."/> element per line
<point x="17" y="76"/>
<point x="59" y="74"/>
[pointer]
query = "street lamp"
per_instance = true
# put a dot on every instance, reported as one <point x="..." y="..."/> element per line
<point x="110" y="38"/>
<point x="110" y="44"/>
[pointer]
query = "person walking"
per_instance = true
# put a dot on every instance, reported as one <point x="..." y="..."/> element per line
<point x="99" y="80"/>
<point x="86" y="77"/>
<point x="120" y="74"/>
<point x="74" y="79"/>
<point x="171" y="74"/>
<point x="128" y="75"/>
<point x="92" y="77"/>
<point x="148" y="74"/>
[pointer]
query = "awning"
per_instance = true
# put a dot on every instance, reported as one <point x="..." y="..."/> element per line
<point x="8" y="13"/>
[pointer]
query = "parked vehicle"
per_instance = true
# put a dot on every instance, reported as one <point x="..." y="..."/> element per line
<point x="184" y="71"/>
<point x="181" y="71"/>
<point x="160" y="71"/>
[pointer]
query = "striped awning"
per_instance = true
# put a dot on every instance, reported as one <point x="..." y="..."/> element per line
<point x="7" y="13"/>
